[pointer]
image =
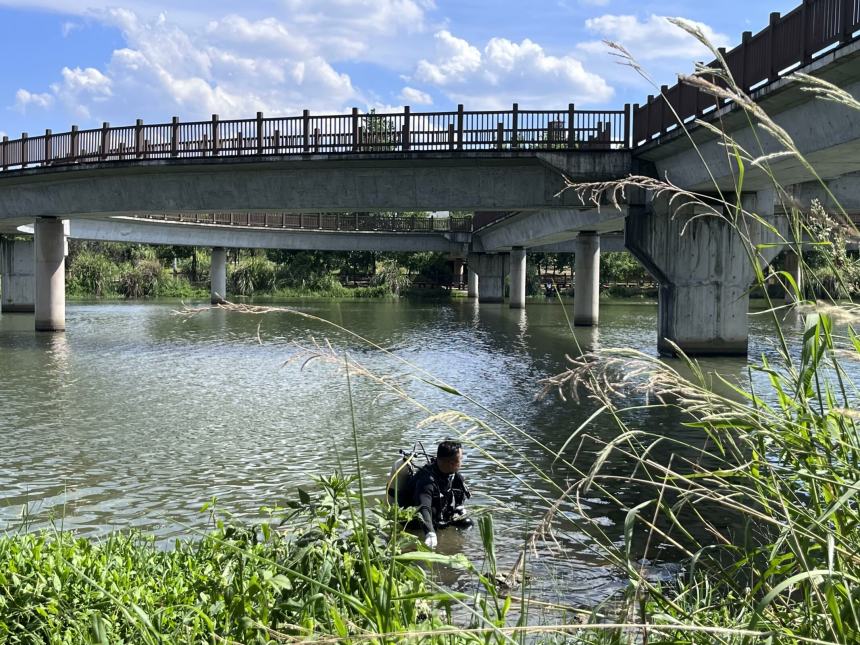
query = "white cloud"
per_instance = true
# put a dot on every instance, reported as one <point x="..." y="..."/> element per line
<point x="25" y="99"/>
<point x="653" y="39"/>
<point x="507" y="71"/>
<point x="413" y="96"/>
<point x="166" y="69"/>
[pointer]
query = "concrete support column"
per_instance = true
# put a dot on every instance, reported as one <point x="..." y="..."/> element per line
<point x="586" y="298"/>
<point x="50" y="268"/>
<point x="704" y="270"/>
<point x="518" y="278"/>
<point x="472" y="286"/>
<point x="458" y="272"/>
<point x="218" y="275"/>
<point x="491" y="269"/>
<point x="17" y="279"/>
<point x="792" y="267"/>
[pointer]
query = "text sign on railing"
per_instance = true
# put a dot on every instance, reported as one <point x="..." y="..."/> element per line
<point x="354" y="133"/>
<point x="788" y="41"/>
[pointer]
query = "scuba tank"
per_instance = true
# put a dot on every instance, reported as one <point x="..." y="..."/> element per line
<point x="401" y="478"/>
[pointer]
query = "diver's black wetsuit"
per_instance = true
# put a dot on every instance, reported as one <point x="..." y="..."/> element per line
<point x="437" y="495"/>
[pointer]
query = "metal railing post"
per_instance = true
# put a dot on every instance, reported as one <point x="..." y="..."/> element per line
<point x="460" y="118"/>
<point x="743" y="81"/>
<point x="571" y="130"/>
<point x="5" y="144"/>
<point x="74" y="144"/>
<point x="174" y="137"/>
<point x="24" y="137"/>
<point x="306" y="130"/>
<point x="515" y="126"/>
<point x="138" y="138"/>
<point x="406" y="143"/>
<point x="355" y="129"/>
<point x="47" y="158"/>
<point x="628" y="117"/>
<point x="847" y="19"/>
<point x="634" y="141"/>
<point x="103" y="147"/>
<point x="773" y="72"/>
<point x="259" y="133"/>
<point x="451" y="136"/>
<point x="500" y="135"/>
<point x="215" y="141"/>
<point x="805" y="23"/>
<point x="276" y="141"/>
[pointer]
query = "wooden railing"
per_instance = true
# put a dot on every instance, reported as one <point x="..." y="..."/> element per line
<point x="789" y="41"/>
<point x="353" y="133"/>
<point x="326" y="221"/>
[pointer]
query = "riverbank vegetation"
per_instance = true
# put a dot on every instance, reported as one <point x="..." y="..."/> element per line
<point x="120" y="270"/>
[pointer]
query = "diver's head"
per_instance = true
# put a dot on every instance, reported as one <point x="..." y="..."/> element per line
<point x="449" y="455"/>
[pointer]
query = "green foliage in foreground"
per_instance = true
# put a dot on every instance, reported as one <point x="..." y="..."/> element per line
<point x="329" y="572"/>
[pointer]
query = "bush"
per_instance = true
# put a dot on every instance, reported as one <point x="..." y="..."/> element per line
<point x="253" y="275"/>
<point x="91" y="274"/>
<point x="141" y="280"/>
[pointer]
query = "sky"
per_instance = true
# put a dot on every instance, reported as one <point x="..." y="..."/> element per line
<point x="85" y="62"/>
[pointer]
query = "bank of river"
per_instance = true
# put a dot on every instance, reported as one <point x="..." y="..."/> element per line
<point x="136" y="417"/>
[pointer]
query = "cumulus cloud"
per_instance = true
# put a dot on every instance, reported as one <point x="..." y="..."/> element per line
<point x="166" y="69"/>
<point x="506" y="71"/>
<point x="652" y="39"/>
<point x="415" y="97"/>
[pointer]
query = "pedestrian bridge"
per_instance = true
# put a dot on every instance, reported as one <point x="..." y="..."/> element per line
<point x="304" y="177"/>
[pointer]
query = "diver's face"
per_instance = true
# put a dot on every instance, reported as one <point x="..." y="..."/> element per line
<point x="451" y="465"/>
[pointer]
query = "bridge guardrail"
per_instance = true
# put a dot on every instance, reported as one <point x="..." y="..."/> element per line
<point x="789" y="41"/>
<point x="325" y="221"/>
<point x="353" y="133"/>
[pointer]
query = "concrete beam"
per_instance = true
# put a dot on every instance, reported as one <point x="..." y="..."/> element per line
<point x="543" y="228"/>
<point x="609" y="243"/>
<point x="462" y="180"/>
<point x="17" y="279"/>
<point x="154" y="232"/>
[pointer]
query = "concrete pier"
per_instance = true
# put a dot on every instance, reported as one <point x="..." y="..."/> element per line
<point x="586" y="299"/>
<point x="218" y="275"/>
<point x="17" y="280"/>
<point x="704" y="270"/>
<point x="491" y="269"/>
<point x="472" y="286"/>
<point x="50" y="269"/>
<point x="518" y="278"/>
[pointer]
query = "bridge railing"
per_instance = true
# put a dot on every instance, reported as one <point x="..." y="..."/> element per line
<point x="789" y="41"/>
<point x="353" y="133"/>
<point x="325" y="221"/>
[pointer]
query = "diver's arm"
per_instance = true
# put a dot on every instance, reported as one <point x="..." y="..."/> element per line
<point x="425" y="507"/>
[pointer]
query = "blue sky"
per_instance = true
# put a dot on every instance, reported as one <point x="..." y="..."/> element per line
<point x="88" y="61"/>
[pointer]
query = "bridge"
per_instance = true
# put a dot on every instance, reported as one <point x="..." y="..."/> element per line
<point x="298" y="182"/>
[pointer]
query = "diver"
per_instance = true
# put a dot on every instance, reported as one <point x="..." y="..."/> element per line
<point x="439" y="492"/>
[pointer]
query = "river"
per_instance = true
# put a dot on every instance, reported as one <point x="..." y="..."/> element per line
<point x="136" y="416"/>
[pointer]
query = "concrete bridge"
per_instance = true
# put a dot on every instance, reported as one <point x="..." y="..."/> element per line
<point x="181" y="183"/>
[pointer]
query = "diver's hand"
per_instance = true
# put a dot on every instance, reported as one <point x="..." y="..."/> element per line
<point x="430" y="540"/>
